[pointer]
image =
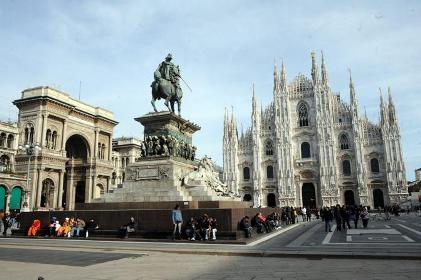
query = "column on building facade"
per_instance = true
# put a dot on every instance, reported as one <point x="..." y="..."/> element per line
<point x="95" y="155"/>
<point x="39" y="188"/>
<point x="107" y="188"/>
<point x="55" y="195"/>
<point x="110" y="146"/>
<point x="89" y="188"/>
<point x="60" y="189"/>
<point x="44" y="129"/>
<point x="7" y="206"/>
<point x="63" y="138"/>
<point x="94" y="179"/>
<point x="70" y="190"/>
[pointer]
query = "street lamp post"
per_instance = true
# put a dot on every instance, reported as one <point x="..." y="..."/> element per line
<point x="31" y="150"/>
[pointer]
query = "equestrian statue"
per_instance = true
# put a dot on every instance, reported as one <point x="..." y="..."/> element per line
<point x="166" y="85"/>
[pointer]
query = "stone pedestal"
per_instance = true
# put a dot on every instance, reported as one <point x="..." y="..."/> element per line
<point x="153" y="179"/>
<point x="168" y="124"/>
<point x="161" y="173"/>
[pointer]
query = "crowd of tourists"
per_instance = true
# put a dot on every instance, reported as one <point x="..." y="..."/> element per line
<point x="197" y="228"/>
<point x="8" y="222"/>
<point x="205" y="227"/>
<point x="70" y="227"/>
<point x="343" y="216"/>
<point x="284" y="216"/>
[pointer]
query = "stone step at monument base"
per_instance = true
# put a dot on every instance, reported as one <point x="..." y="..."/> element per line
<point x="144" y="192"/>
<point x="204" y="193"/>
<point x="143" y="198"/>
<point x="195" y="204"/>
<point x="149" y="196"/>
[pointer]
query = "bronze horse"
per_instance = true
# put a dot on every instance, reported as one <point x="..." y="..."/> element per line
<point x="166" y="90"/>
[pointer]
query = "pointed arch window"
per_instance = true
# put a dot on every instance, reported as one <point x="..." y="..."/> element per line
<point x="269" y="148"/>
<point x="303" y="114"/>
<point x="305" y="150"/>
<point x="374" y="164"/>
<point x="344" y="142"/>
<point x="346" y="168"/>
<point x="246" y="173"/>
<point x="269" y="172"/>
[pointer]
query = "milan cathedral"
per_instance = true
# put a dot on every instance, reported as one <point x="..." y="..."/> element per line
<point x="309" y="148"/>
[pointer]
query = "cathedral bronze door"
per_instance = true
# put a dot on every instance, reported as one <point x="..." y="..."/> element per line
<point x="271" y="200"/>
<point x="349" y="198"/>
<point x="378" y="199"/>
<point x="309" y="195"/>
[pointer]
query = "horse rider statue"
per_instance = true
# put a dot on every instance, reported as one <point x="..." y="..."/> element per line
<point x="166" y="84"/>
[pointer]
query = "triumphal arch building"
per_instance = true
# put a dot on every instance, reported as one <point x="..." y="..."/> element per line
<point x="72" y="141"/>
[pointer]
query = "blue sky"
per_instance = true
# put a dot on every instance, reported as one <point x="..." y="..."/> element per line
<point x="222" y="47"/>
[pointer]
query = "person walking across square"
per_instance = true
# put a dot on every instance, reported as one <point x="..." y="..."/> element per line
<point x="177" y="220"/>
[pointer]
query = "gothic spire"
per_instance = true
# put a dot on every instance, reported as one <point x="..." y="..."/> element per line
<point x="225" y="122"/>
<point x="325" y="79"/>
<point x="283" y="76"/>
<point x="275" y="78"/>
<point x="314" y="70"/>
<point x="254" y="102"/>
<point x="392" y="115"/>
<point x="389" y="92"/>
<point x="353" y="98"/>
<point x="382" y="108"/>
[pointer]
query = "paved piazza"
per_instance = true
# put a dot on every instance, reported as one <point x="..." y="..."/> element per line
<point x="386" y="250"/>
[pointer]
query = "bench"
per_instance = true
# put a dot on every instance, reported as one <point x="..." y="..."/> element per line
<point x="138" y="234"/>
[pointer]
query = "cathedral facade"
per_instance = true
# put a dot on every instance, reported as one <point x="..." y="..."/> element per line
<point x="309" y="148"/>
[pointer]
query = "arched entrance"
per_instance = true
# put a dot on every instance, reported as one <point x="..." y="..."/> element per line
<point x="349" y="197"/>
<point x="309" y="196"/>
<point x="3" y="192"/>
<point x="247" y="197"/>
<point x="271" y="200"/>
<point x="378" y="199"/>
<point x="47" y="193"/>
<point x="16" y="199"/>
<point x="77" y="151"/>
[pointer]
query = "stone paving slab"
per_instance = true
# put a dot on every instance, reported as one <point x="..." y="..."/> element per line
<point x="373" y="231"/>
<point x="58" y="257"/>
<point x="170" y="266"/>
